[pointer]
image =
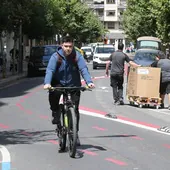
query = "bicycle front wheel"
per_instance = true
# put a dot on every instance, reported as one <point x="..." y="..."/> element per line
<point x="62" y="134"/>
<point x="72" y="132"/>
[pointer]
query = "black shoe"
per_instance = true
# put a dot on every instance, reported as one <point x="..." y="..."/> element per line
<point x="55" y="121"/>
<point x="169" y="107"/>
<point x="162" y="105"/>
<point x="121" y="102"/>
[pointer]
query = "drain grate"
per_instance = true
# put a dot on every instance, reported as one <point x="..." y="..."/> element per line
<point x="165" y="129"/>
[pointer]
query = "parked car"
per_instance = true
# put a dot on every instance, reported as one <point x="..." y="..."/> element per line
<point x="89" y="52"/>
<point x="39" y="58"/>
<point x="102" y="50"/>
<point x="146" y="57"/>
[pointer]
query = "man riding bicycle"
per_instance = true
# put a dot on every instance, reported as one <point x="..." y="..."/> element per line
<point x="64" y="69"/>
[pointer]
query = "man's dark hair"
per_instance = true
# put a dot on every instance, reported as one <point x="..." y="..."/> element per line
<point x="67" y="38"/>
<point x="120" y="46"/>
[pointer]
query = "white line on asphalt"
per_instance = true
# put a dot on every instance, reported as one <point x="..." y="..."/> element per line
<point x="6" y="158"/>
<point x="163" y="111"/>
<point x="122" y="121"/>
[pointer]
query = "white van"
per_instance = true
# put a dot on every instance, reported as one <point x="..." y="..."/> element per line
<point x="149" y="43"/>
<point x="89" y="51"/>
<point x="102" y="50"/>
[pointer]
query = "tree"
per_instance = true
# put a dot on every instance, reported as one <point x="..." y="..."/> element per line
<point x="79" y="21"/>
<point x="161" y="12"/>
<point x="44" y="20"/>
<point x="138" y="19"/>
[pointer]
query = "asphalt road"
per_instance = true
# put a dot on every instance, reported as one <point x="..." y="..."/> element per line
<point x="130" y="142"/>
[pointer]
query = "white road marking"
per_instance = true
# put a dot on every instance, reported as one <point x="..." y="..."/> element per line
<point x="6" y="158"/>
<point x="122" y="121"/>
<point x="103" y="87"/>
<point x="162" y="111"/>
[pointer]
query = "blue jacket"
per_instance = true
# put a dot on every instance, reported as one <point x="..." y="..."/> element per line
<point x="68" y="74"/>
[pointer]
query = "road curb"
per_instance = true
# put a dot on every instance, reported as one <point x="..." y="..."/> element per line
<point x="11" y="79"/>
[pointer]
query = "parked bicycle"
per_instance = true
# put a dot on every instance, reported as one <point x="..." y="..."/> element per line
<point x="68" y="118"/>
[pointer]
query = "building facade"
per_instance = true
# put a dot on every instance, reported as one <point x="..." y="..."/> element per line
<point x="110" y="13"/>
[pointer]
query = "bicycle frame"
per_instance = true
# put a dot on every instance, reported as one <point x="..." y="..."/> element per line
<point x="66" y="101"/>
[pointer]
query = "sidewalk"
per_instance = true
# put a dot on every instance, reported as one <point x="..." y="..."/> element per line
<point x="10" y="78"/>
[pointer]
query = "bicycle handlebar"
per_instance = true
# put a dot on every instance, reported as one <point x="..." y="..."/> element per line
<point x="82" y="88"/>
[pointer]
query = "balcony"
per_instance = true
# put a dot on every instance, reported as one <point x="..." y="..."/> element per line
<point x="122" y="5"/>
<point x="98" y="1"/>
<point x="101" y="18"/>
<point x="120" y="18"/>
<point x="98" y="6"/>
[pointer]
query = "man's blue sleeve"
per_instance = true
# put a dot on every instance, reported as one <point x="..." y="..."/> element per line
<point x="51" y="68"/>
<point x="83" y="69"/>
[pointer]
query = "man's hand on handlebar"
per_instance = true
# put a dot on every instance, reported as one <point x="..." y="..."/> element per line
<point x="47" y="86"/>
<point x="91" y="85"/>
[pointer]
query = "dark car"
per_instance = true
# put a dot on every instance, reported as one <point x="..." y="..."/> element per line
<point x="39" y="58"/>
<point x="146" y="57"/>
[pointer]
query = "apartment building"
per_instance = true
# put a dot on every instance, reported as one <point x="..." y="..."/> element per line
<point x="110" y="13"/>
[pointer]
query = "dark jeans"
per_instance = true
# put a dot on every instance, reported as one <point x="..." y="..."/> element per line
<point x="116" y="82"/>
<point x="54" y="98"/>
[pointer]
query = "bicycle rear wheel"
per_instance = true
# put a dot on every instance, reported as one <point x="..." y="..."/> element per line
<point x="62" y="134"/>
<point x="72" y="132"/>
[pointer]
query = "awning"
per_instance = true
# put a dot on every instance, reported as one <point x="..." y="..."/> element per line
<point x="115" y="35"/>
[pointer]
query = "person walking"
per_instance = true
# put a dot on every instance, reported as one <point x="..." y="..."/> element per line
<point x="117" y="60"/>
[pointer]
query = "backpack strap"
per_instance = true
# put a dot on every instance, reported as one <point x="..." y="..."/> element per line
<point x="74" y="58"/>
<point x="59" y="61"/>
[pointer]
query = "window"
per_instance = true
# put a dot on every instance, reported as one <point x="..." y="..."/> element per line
<point x="98" y="1"/>
<point x="110" y="13"/>
<point x="111" y="25"/>
<point x="100" y="13"/>
<point x="145" y="56"/>
<point x="41" y="51"/>
<point x="110" y="1"/>
<point x="152" y="44"/>
<point x="104" y="50"/>
<point x="120" y="25"/>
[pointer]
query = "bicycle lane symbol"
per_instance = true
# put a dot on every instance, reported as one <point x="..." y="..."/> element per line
<point x="6" y="158"/>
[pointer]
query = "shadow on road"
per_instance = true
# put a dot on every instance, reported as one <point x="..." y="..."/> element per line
<point x="2" y="104"/>
<point x="112" y="136"/>
<point x="21" y="87"/>
<point x="91" y="147"/>
<point x="81" y="150"/>
<point x="22" y="136"/>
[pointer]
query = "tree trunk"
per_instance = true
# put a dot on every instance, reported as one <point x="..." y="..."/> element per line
<point x="3" y="58"/>
<point x="14" y="54"/>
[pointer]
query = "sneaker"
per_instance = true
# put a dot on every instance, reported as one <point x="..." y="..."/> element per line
<point x="55" y="120"/>
<point x="78" y="141"/>
<point x="121" y="102"/>
<point x="162" y="105"/>
<point x="169" y="107"/>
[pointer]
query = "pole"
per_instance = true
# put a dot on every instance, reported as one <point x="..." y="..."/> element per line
<point x="20" y="48"/>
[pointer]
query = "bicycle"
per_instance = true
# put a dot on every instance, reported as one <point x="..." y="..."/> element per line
<point x="68" y="119"/>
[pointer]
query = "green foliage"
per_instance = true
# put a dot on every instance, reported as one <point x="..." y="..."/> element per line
<point x="147" y="18"/>
<point x="79" y="21"/>
<point x="161" y="11"/>
<point x="138" y="19"/>
<point x="42" y="19"/>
